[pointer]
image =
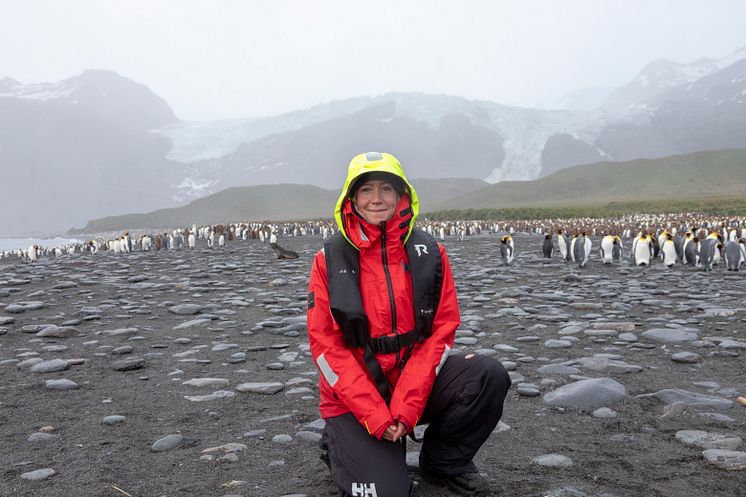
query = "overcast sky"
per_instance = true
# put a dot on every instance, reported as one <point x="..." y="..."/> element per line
<point x="241" y="58"/>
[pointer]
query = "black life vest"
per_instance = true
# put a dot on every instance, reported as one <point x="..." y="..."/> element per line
<point x="346" y="304"/>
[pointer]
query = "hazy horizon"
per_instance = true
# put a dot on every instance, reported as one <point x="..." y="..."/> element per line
<point x="230" y="59"/>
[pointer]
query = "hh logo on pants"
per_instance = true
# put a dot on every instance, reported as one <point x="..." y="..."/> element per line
<point x="364" y="490"/>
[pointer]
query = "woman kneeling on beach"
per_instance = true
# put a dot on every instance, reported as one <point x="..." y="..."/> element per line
<point x="382" y="315"/>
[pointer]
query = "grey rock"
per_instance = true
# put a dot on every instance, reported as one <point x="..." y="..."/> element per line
<point x="588" y="395"/>
<point x="708" y="440"/>
<point x="672" y="336"/>
<point x="686" y="357"/>
<point x="50" y="366"/>
<point x="308" y="436"/>
<point x="61" y="384"/>
<point x="128" y="364"/>
<point x="604" y="413"/>
<point x="15" y="309"/>
<point x="726" y="459"/>
<point x="41" y="437"/>
<point x="528" y="390"/>
<point x="732" y="344"/>
<point x="559" y="369"/>
<point x="206" y="382"/>
<point x="39" y="474"/>
<point x="553" y="461"/>
<point x="690" y="399"/>
<point x="282" y="439"/>
<point x="557" y="344"/>
<point x="167" y="443"/>
<point x="219" y="394"/>
<point x="114" y="419"/>
<point x="263" y="388"/>
<point x="608" y="365"/>
<point x="58" y="332"/>
<point x="185" y="309"/>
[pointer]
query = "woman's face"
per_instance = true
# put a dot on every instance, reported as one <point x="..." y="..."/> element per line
<point x="376" y="201"/>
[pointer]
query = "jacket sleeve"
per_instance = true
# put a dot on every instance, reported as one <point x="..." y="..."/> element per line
<point x="338" y="365"/>
<point x="416" y="381"/>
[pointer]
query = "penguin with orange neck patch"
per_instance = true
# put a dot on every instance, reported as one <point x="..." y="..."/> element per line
<point x="642" y="250"/>
<point x="507" y="250"/>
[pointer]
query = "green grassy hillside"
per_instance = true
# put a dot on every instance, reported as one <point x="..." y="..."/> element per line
<point x="716" y="173"/>
<point x="267" y="202"/>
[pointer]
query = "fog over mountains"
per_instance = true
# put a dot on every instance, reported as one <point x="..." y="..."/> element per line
<point x="99" y="144"/>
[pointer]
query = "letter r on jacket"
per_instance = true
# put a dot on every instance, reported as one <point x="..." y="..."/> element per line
<point x="420" y="249"/>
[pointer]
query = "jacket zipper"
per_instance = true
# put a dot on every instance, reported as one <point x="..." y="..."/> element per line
<point x="390" y="287"/>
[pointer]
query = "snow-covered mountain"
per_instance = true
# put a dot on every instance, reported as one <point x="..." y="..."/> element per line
<point x="100" y="144"/>
<point x="662" y="75"/>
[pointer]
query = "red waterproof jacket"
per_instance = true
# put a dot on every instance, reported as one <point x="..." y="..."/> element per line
<point x="345" y="384"/>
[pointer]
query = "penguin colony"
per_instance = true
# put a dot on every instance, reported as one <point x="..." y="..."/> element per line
<point x="689" y="239"/>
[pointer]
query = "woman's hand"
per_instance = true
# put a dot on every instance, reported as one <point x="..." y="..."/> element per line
<point x="394" y="432"/>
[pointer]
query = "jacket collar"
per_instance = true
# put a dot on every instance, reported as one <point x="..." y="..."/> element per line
<point x="362" y="234"/>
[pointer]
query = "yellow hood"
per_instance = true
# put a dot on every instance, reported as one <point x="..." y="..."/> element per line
<point x="374" y="162"/>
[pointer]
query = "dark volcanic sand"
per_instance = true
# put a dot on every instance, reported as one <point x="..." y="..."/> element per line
<point x="633" y="454"/>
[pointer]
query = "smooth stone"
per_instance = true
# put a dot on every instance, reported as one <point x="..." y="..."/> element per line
<point x="557" y="344"/>
<point x="559" y="369"/>
<point x="620" y="327"/>
<point x="120" y="332"/>
<point x="282" y="439"/>
<point x="5" y="320"/>
<point x="219" y="394"/>
<point x="691" y="399"/>
<point x="708" y="440"/>
<point x="41" y="437"/>
<point x="193" y="323"/>
<point x="167" y="443"/>
<point x="732" y="344"/>
<point x="608" y="365"/>
<point x="221" y="347"/>
<point x="54" y="348"/>
<point x="672" y="336"/>
<point x="15" y="309"/>
<point x="505" y="347"/>
<point x="288" y="356"/>
<point x="206" y="382"/>
<point x="726" y="459"/>
<point x="58" y="332"/>
<point x="315" y="426"/>
<point x="588" y="395"/>
<point x="264" y="388"/>
<point x="228" y="448"/>
<point x="29" y="362"/>
<point x="466" y="341"/>
<point x="128" y="364"/>
<point x="50" y="366"/>
<point x="570" y="330"/>
<point x="114" y="419"/>
<point x="686" y="357"/>
<point x="39" y="474"/>
<point x="308" y="436"/>
<point x="125" y="349"/>
<point x="61" y="384"/>
<point x="185" y="309"/>
<point x="627" y="337"/>
<point x="528" y="390"/>
<point x="604" y="413"/>
<point x="553" y="461"/>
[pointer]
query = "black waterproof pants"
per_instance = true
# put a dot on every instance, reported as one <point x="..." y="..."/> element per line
<point x="463" y="409"/>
